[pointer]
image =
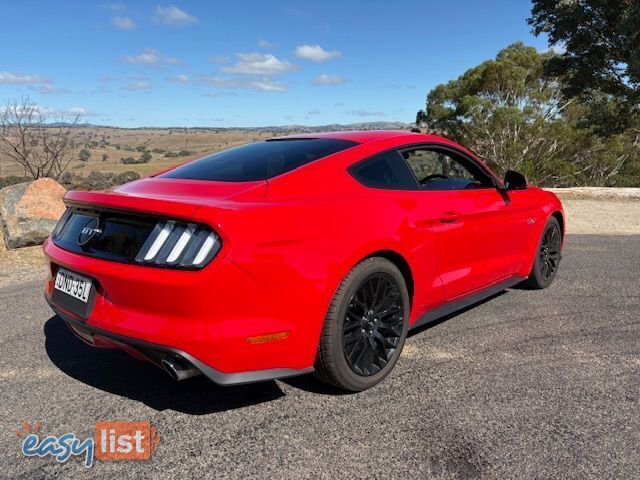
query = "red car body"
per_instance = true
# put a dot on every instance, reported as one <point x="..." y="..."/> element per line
<point x="257" y="309"/>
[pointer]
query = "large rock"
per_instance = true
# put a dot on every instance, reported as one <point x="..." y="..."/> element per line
<point x="3" y="246"/>
<point x="29" y="211"/>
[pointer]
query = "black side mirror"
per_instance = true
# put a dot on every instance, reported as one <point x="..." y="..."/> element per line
<point x="514" y="181"/>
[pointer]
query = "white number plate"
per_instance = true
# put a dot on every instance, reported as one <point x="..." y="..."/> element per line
<point x="73" y="284"/>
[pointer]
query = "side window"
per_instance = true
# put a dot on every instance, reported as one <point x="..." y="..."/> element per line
<point x="384" y="171"/>
<point x="440" y="170"/>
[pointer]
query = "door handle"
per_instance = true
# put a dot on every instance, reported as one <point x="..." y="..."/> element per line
<point x="449" y="217"/>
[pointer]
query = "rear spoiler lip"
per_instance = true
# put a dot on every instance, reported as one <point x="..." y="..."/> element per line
<point x="131" y="204"/>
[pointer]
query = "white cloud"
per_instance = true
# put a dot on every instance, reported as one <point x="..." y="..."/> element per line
<point x="180" y="79"/>
<point x="218" y="58"/>
<point x="151" y="58"/>
<point x="9" y="77"/>
<point x="313" y="112"/>
<point x="114" y="7"/>
<point x="49" y="89"/>
<point x="326" y="79"/>
<point x="60" y="114"/>
<point x="366" y="113"/>
<point x="261" y="84"/>
<point x="260" y="64"/>
<point x="316" y="53"/>
<point x="137" y="86"/>
<point x="296" y="12"/>
<point x="173" y="16"/>
<point x="123" y="23"/>
<point x="267" y="86"/>
<point x="79" y="111"/>
<point x="262" y="43"/>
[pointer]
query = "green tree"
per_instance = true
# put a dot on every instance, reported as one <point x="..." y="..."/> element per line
<point x="600" y="61"/>
<point x="84" y="155"/>
<point x="145" y="157"/>
<point x="516" y="117"/>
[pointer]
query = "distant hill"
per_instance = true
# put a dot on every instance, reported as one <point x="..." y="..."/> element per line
<point x="275" y="128"/>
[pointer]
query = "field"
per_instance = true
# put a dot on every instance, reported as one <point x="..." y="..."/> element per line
<point x="167" y="147"/>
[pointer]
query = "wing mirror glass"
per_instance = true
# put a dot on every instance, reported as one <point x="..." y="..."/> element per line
<point x="514" y="181"/>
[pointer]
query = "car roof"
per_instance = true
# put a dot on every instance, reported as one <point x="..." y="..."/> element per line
<point x="402" y="137"/>
<point x="368" y="136"/>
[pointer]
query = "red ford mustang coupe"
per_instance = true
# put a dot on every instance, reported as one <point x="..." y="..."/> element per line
<point x="306" y="253"/>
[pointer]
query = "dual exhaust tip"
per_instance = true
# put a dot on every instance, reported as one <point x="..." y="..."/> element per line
<point x="178" y="368"/>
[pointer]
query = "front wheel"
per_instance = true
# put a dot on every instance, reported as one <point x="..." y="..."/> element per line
<point x="545" y="266"/>
<point x="365" y="327"/>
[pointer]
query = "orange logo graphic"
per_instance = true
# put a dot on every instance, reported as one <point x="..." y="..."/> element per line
<point x="125" y="440"/>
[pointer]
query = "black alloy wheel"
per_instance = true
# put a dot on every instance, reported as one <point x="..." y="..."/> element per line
<point x="373" y="324"/>
<point x="548" y="256"/>
<point x="365" y="326"/>
<point x="549" y="252"/>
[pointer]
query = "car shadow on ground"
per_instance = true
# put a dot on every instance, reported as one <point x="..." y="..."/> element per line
<point x="115" y="372"/>
<point x="438" y="321"/>
<point x="311" y="384"/>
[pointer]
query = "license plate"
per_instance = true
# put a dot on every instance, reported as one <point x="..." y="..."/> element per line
<point x="73" y="284"/>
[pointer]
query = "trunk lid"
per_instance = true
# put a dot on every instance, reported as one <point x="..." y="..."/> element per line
<point x="152" y="221"/>
<point x="169" y="197"/>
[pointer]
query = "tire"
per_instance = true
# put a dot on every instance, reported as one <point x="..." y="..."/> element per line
<point x="368" y="312"/>
<point x="548" y="256"/>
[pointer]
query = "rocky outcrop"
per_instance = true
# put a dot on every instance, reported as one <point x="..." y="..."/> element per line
<point x="3" y="246"/>
<point x="29" y="211"/>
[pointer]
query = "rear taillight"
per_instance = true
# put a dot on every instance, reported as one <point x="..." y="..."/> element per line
<point x="178" y="244"/>
<point x="61" y="223"/>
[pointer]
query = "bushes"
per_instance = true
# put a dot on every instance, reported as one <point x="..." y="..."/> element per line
<point x="135" y="161"/>
<point x="181" y="153"/>
<point x="12" y="180"/>
<point x="96" y="180"/>
<point x="84" y="155"/>
<point x="126" y="177"/>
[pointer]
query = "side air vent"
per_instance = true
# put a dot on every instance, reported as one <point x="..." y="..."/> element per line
<point x="174" y="243"/>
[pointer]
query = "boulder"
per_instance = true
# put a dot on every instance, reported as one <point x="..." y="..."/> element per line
<point x="3" y="246"/>
<point x="29" y="211"/>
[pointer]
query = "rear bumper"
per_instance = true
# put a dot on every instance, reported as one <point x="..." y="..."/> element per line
<point x="153" y="353"/>
<point x="207" y="317"/>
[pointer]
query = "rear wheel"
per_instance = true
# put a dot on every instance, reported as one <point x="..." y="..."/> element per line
<point x="548" y="256"/>
<point x="365" y="327"/>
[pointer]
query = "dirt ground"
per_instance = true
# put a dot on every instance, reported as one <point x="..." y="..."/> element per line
<point x="601" y="211"/>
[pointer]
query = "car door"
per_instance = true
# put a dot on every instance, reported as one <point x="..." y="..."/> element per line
<point x="469" y="217"/>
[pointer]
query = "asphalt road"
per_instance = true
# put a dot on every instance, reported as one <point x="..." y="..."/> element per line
<point x="529" y="384"/>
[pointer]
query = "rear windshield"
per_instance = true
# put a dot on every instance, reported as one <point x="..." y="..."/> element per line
<point x="259" y="161"/>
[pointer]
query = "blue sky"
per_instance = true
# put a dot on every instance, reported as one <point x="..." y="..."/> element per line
<point x="238" y="63"/>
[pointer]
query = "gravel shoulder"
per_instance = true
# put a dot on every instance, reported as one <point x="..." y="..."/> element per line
<point x="600" y="210"/>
